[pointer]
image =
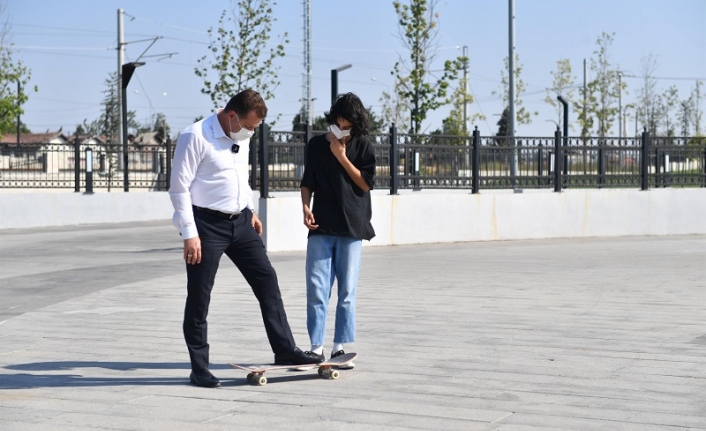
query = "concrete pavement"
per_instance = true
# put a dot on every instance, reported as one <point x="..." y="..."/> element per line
<point x="589" y="334"/>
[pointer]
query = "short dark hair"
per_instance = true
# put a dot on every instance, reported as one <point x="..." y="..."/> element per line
<point x="349" y="107"/>
<point x="246" y="101"/>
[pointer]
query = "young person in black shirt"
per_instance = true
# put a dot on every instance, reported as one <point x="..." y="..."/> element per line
<point x="339" y="173"/>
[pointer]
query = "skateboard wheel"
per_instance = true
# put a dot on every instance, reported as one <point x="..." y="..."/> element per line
<point x="251" y="377"/>
<point x="321" y="372"/>
<point x="261" y="381"/>
<point x="333" y="374"/>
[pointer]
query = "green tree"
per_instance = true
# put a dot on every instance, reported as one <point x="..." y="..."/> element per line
<point x="108" y="123"/>
<point x="376" y="122"/>
<point x="522" y="115"/>
<point x="239" y="56"/>
<point x="415" y="84"/>
<point x="503" y="128"/>
<point x="160" y="125"/>
<point x="453" y="124"/>
<point x="648" y="99"/>
<point x="11" y="72"/>
<point x="562" y="85"/>
<point x="394" y="109"/>
<point x="669" y="101"/>
<point x="605" y="87"/>
<point x="318" y="124"/>
<point x="697" y="113"/>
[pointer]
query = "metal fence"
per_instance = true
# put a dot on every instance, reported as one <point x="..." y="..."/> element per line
<point x="404" y="161"/>
<point x="55" y="166"/>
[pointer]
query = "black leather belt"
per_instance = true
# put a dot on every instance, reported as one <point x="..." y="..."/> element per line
<point x="218" y="213"/>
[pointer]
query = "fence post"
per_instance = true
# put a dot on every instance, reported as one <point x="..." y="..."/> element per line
<point x="155" y="161"/>
<point x="644" y="161"/>
<point x="703" y="168"/>
<point x="89" y="171"/>
<point x="264" y="171"/>
<point x="307" y="133"/>
<point x="658" y="168"/>
<point x="77" y="165"/>
<point x="601" y="164"/>
<point x="417" y="162"/>
<point x="169" y="162"/>
<point x="253" y="159"/>
<point x="394" y="162"/>
<point x="475" y="162"/>
<point x="557" y="160"/>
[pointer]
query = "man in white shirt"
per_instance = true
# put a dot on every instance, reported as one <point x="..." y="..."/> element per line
<point x="213" y="211"/>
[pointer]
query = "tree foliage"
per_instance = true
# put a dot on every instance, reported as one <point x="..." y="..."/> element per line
<point x="239" y="56"/>
<point x="395" y="110"/>
<point x="318" y="124"/>
<point x="415" y="83"/>
<point x="522" y="115"/>
<point x="503" y="128"/>
<point x="453" y="124"/>
<point x="605" y="88"/>
<point x="11" y="72"/>
<point x="107" y="124"/>
<point x="562" y="85"/>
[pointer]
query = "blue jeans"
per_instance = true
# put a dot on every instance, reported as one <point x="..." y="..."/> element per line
<point x="331" y="257"/>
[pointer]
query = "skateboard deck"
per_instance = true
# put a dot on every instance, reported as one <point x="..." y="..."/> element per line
<point x="325" y="369"/>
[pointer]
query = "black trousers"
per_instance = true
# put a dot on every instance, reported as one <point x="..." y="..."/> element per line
<point x="239" y="241"/>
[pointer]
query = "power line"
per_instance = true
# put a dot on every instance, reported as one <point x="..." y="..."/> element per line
<point x="65" y="48"/>
<point x="63" y="28"/>
<point x="133" y="17"/>
<point x="667" y="78"/>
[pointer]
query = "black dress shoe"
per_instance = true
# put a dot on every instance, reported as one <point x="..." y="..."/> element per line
<point x="205" y="379"/>
<point x="298" y="357"/>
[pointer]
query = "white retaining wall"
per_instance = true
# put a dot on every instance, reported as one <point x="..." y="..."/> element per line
<point x="427" y="216"/>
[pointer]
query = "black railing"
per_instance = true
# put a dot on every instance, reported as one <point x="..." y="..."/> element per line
<point x="404" y="161"/>
<point x="56" y="166"/>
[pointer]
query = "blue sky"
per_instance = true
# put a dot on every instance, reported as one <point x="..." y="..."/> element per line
<point x="70" y="48"/>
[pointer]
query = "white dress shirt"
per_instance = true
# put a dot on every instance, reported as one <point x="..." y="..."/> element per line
<point x="206" y="173"/>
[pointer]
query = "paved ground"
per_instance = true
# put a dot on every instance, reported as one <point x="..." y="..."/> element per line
<point x="590" y="334"/>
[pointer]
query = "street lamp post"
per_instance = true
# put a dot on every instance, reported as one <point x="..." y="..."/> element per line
<point x="19" y="107"/>
<point x="334" y="81"/>
<point x="127" y="70"/>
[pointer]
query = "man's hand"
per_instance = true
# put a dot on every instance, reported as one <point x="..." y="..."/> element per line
<point x="256" y="223"/>
<point x="309" y="220"/>
<point x="192" y="250"/>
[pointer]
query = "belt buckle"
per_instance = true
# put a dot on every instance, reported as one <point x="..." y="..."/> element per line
<point x="233" y="216"/>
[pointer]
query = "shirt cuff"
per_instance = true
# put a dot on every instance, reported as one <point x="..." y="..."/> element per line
<point x="189" y="232"/>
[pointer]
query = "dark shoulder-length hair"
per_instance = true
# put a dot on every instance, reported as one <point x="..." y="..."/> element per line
<point x="349" y="107"/>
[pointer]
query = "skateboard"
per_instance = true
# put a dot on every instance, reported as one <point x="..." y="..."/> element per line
<point x="325" y="369"/>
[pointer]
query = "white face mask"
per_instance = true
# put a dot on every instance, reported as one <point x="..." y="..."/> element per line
<point x="243" y="134"/>
<point x="338" y="133"/>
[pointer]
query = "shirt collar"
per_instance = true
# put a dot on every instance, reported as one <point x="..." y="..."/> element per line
<point x="216" y="126"/>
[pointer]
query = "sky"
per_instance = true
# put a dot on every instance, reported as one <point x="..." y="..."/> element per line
<point x="70" y="48"/>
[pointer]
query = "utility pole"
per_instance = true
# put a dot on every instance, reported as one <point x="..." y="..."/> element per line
<point x="584" y="131"/>
<point x="19" y="106"/>
<point x="511" y="91"/>
<point x="620" y="105"/>
<point x="121" y="60"/>
<point x="307" y="102"/>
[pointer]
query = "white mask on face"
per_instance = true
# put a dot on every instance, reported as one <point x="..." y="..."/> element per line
<point x="242" y="134"/>
<point x="338" y="133"/>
